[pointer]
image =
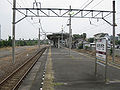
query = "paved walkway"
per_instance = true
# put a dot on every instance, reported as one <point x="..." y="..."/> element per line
<point x="76" y="72"/>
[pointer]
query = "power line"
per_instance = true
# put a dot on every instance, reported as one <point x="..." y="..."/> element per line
<point x="28" y="2"/>
<point x="84" y="3"/>
<point x="26" y="18"/>
<point x="22" y="2"/>
<point x="88" y="4"/>
<point x="102" y="24"/>
<point x="25" y="3"/>
<point x="65" y="24"/>
<point x="31" y="23"/>
<point x="18" y="4"/>
<point x="41" y="26"/>
<point x="9" y="2"/>
<point x="97" y="4"/>
<point x="12" y="4"/>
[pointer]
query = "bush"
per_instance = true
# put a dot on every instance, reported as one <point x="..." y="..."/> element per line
<point x="111" y="51"/>
<point x="1" y="44"/>
<point x="86" y="47"/>
<point x="80" y="46"/>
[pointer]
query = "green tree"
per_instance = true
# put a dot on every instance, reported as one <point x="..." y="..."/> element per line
<point x="119" y="42"/>
<point x="84" y="36"/>
<point x="9" y="41"/>
<point x="1" y="44"/>
<point x="91" y="40"/>
<point x="21" y="43"/>
<point x="76" y="36"/>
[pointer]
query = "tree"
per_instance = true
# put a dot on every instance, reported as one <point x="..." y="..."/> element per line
<point x="76" y="36"/>
<point x="9" y="41"/>
<point x="1" y="44"/>
<point x="21" y="43"/>
<point x="91" y="40"/>
<point x="119" y="42"/>
<point x="84" y="36"/>
<point x="5" y="43"/>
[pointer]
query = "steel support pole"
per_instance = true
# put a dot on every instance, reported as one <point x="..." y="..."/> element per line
<point x="58" y="42"/>
<point x="95" y="61"/>
<point x="70" y="32"/>
<point x="13" y="31"/>
<point x="0" y="32"/>
<point x="113" y="49"/>
<point x="62" y="35"/>
<point x="106" y="64"/>
<point x="39" y="39"/>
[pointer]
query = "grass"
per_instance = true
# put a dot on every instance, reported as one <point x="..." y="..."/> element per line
<point x="58" y="84"/>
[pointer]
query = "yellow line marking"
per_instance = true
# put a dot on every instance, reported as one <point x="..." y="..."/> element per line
<point x="49" y="76"/>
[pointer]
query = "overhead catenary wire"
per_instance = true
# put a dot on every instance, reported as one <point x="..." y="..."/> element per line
<point x="31" y="23"/>
<point x="84" y="3"/>
<point x="97" y="4"/>
<point x="66" y="24"/>
<point x="87" y="4"/>
<point x="97" y="26"/>
<point x="22" y="3"/>
<point x="28" y="3"/>
<point x="26" y="18"/>
<point x="42" y="28"/>
<point x="25" y="3"/>
<point x="12" y="4"/>
<point x="9" y="2"/>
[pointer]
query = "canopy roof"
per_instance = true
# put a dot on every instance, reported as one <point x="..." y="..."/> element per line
<point x="55" y="36"/>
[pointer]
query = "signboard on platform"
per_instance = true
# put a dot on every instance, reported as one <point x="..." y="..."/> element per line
<point x="101" y="55"/>
<point x="101" y="49"/>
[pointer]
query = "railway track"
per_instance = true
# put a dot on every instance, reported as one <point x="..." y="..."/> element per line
<point x="13" y="81"/>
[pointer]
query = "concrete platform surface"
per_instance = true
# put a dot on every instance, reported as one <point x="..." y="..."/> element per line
<point x="76" y="72"/>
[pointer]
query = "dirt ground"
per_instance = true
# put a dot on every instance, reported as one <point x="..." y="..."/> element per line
<point x="92" y="53"/>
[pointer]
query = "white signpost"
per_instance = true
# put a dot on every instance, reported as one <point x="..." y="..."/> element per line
<point x="101" y="49"/>
<point x="101" y="55"/>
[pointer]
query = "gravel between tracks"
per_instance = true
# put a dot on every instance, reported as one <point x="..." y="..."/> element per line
<point x="6" y="65"/>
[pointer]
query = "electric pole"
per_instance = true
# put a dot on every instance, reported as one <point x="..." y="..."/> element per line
<point x="70" y="32"/>
<point x="0" y="32"/>
<point x="13" y="31"/>
<point x="113" y="49"/>
<point x="62" y="35"/>
<point x="39" y="39"/>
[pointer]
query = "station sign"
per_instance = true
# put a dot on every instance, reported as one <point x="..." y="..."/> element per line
<point x="101" y="49"/>
<point x="101" y="55"/>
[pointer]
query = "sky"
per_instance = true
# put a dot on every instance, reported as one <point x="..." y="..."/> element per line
<point x="28" y="28"/>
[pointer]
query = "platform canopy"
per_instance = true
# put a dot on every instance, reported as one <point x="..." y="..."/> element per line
<point x="56" y="36"/>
